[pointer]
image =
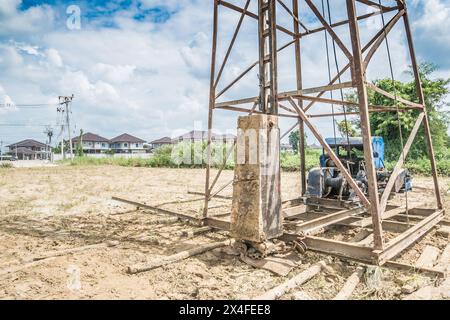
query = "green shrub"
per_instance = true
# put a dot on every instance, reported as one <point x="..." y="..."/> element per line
<point x="290" y="162"/>
<point x="6" y="165"/>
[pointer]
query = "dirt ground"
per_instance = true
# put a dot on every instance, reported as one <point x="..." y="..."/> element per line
<point x="48" y="209"/>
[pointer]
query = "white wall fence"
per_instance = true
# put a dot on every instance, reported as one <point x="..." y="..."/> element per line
<point x="58" y="157"/>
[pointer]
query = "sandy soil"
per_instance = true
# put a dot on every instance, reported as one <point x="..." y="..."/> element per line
<point x="48" y="209"/>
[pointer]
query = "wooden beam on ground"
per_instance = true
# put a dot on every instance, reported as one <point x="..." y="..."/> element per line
<point x="350" y="285"/>
<point x="293" y="283"/>
<point x="157" y="210"/>
<point x="444" y="231"/>
<point x="59" y="253"/>
<point x="157" y="263"/>
<point x="23" y="266"/>
<point x="195" y="232"/>
<point x="444" y="260"/>
<point x="432" y="272"/>
<point x="428" y="258"/>
<point x="168" y="220"/>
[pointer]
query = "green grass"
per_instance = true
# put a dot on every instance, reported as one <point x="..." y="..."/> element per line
<point x="6" y="165"/>
<point x="289" y="162"/>
<point x="163" y="159"/>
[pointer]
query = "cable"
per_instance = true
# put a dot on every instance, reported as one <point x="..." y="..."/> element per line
<point x="398" y="110"/>
<point x="340" y="82"/>
<point x="329" y="78"/>
<point x="22" y="125"/>
<point x="25" y="106"/>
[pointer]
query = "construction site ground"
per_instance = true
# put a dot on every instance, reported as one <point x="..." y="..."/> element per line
<point x="51" y="209"/>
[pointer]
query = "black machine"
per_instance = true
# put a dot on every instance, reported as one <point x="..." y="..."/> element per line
<point x="328" y="182"/>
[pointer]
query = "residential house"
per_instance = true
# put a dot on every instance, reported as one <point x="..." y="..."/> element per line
<point x="195" y="136"/>
<point x="161" y="142"/>
<point x="29" y="150"/>
<point x="286" y="147"/>
<point x="92" y="143"/>
<point x="127" y="143"/>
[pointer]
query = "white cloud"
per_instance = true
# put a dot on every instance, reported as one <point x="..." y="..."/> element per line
<point x="144" y="77"/>
<point x="54" y="58"/>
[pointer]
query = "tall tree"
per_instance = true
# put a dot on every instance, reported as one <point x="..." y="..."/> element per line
<point x="294" y="140"/>
<point x="386" y="124"/>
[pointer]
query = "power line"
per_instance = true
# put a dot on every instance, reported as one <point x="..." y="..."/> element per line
<point x="36" y="105"/>
<point x="22" y="125"/>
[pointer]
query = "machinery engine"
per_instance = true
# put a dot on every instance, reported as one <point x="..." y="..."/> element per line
<point x="328" y="182"/>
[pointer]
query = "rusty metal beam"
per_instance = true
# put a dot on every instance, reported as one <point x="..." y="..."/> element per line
<point x="359" y="78"/>
<point x="332" y="155"/>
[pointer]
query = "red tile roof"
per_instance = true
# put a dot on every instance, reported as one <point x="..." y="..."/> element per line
<point x="127" y="138"/>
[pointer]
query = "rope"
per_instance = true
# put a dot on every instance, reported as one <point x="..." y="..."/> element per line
<point x="397" y="108"/>
<point x="329" y="80"/>
<point x="340" y="82"/>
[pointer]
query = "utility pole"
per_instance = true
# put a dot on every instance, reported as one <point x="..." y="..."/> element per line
<point x="49" y="133"/>
<point x="66" y="101"/>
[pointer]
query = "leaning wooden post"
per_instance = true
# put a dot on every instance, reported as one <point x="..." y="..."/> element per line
<point x="298" y="64"/>
<point x="212" y="102"/>
<point x="293" y="283"/>
<point x="358" y="77"/>
<point x="421" y="97"/>
<point x="350" y="285"/>
<point x="157" y="263"/>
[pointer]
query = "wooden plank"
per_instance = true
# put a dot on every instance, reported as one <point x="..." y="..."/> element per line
<point x="63" y="252"/>
<point x="428" y="258"/>
<point x="444" y="231"/>
<point x="11" y="270"/>
<point x="444" y="260"/>
<point x="293" y="283"/>
<point x="350" y="285"/>
<point x="157" y="263"/>
<point x="412" y="269"/>
<point x="194" y="232"/>
<point x="157" y="210"/>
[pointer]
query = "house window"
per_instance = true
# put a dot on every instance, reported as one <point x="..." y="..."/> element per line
<point x="103" y="145"/>
<point x="125" y="145"/>
<point x="137" y="145"/>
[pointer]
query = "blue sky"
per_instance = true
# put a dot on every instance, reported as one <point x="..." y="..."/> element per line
<point x="142" y="66"/>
